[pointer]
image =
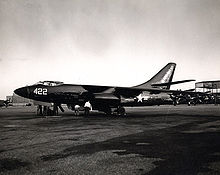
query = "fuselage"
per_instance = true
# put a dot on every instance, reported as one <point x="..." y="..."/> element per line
<point x="73" y="94"/>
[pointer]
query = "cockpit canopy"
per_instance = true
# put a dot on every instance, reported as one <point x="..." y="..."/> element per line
<point x="50" y="83"/>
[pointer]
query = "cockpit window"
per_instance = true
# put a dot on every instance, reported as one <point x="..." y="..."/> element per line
<point x="50" y="83"/>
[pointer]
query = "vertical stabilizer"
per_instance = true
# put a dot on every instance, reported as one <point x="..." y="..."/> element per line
<point x="165" y="75"/>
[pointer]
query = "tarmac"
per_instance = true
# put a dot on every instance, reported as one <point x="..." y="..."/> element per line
<point x="152" y="140"/>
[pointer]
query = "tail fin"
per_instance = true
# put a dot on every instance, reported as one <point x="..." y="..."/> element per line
<point x="165" y="75"/>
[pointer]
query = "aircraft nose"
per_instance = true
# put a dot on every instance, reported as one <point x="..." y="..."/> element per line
<point x="21" y="92"/>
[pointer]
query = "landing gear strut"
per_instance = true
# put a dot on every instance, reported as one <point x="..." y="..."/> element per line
<point x="46" y="111"/>
<point x="39" y="110"/>
<point x="55" y="109"/>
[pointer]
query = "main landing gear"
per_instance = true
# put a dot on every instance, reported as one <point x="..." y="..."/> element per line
<point x="119" y="111"/>
<point x="47" y="111"/>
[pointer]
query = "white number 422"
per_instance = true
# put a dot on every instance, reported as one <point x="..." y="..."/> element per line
<point x="40" y="91"/>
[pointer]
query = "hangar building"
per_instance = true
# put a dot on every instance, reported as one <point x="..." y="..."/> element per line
<point x="204" y="86"/>
<point x="213" y="87"/>
<point x="17" y="100"/>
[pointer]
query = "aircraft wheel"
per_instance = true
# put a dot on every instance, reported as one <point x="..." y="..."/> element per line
<point x="121" y="111"/>
<point x="108" y="111"/>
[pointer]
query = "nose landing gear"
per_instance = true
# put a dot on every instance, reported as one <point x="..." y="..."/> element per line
<point x="47" y="111"/>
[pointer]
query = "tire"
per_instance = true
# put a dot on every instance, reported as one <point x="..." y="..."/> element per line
<point x="108" y="111"/>
<point x="121" y="111"/>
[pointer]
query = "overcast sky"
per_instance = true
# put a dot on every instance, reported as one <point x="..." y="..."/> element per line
<point x="107" y="42"/>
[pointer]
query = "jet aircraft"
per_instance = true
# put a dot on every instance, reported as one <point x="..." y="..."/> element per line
<point x="5" y="103"/>
<point x="104" y="98"/>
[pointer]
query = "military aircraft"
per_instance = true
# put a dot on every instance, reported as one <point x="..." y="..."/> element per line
<point x="5" y="103"/>
<point x="103" y="98"/>
<point x="2" y="103"/>
<point x="194" y="98"/>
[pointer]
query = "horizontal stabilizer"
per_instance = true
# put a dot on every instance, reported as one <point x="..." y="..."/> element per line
<point x="171" y="83"/>
<point x="190" y="90"/>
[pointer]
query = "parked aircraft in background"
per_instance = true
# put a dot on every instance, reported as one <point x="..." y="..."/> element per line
<point x="4" y="103"/>
<point x="107" y="98"/>
<point x="193" y="98"/>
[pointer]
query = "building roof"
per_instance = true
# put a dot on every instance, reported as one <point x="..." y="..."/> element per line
<point x="208" y="84"/>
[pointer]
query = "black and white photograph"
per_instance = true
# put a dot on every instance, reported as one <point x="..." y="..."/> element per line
<point x="110" y="87"/>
